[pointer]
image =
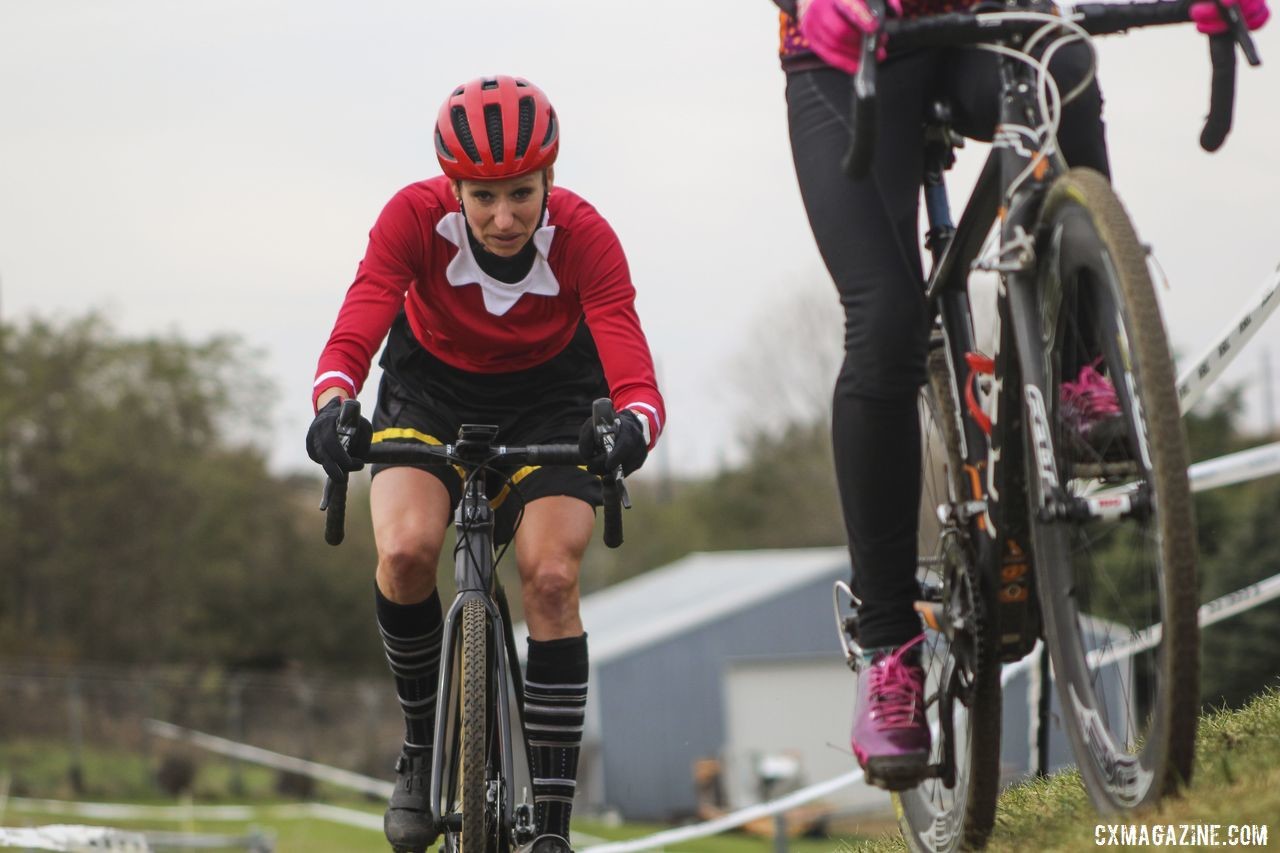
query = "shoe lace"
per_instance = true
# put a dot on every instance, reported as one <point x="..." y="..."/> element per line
<point x="1091" y="397"/>
<point x="897" y="689"/>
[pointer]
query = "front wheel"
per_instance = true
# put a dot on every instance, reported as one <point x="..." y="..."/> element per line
<point x="1116" y="575"/>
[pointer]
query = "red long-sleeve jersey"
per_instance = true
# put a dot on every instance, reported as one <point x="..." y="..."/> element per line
<point x="419" y="259"/>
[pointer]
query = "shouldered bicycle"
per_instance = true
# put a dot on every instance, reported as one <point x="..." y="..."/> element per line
<point x="1037" y="532"/>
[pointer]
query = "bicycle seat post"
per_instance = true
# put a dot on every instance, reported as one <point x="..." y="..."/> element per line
<point x="940" y="144"/>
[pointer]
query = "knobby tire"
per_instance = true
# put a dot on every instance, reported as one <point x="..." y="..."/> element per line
<point x="474" y="678"/>
<point x="1135" y="743"/>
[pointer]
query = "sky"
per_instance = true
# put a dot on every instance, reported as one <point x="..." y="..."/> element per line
<point x="204" y="168"/>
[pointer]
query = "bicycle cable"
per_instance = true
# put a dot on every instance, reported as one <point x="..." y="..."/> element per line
<point x="1046" y="134"/>
<point x="510" y="484"/>
<point x="1048" y="94"/>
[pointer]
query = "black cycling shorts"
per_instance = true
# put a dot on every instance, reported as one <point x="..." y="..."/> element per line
<point x="421" y="398"/>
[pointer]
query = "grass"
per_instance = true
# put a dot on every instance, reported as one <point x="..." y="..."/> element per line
<point x="311" y="834"/>
<point x="289" y="834"/>
<point x="42" y="769"/>
<point x="1236" y="781"/>
<point x="730" y="842"/>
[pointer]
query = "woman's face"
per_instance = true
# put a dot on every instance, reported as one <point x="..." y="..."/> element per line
<point x="503" y="214"/>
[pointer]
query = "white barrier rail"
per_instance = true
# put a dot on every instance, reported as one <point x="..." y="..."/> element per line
<point x="322" y="772"/>
<point x="730" y="820"/>
<point x="208" y="814"/>
<point x="1209" y="366"/>
<point x="1239" y="467"/>
<point x="74" y="839"/>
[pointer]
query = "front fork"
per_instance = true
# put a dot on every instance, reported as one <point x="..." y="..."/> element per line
<point x="474" y="573"/>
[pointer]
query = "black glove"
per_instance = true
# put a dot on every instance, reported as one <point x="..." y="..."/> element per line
<point x="629" y="447"/>
<point x="324" y="446"/>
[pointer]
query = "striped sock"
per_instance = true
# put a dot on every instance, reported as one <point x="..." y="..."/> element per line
<point x="555" y="701"/>
<point x="411" y="635"/>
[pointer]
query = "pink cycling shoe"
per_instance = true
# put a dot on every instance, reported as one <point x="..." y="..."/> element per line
<point x="1091" y="412"/>
<point x="890" y="732"/>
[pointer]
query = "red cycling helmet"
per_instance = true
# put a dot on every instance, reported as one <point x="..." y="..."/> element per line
<point x="496" y="127"/>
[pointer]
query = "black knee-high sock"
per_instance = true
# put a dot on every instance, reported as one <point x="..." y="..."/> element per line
<point x="555" y="704"/>
<point x="411" y="638"/>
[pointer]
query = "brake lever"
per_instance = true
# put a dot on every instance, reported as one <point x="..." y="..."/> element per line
<point x="334" y="498"/>
<point x="1239" y="31"/>
<point x="607" y="440"/>
<point x="346" y="429"/>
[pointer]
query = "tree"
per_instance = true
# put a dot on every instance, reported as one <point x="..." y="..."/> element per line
<point x="138" y="521"/>
<point x="784" y="374"/>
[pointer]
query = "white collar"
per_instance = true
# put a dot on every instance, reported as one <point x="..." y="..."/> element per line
<point x="498" y="295"/>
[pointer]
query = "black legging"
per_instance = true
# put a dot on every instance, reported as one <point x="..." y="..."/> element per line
<point x="867" y="234"/>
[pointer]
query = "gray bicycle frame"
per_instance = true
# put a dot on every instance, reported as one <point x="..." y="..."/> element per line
<point x="476" y="580"/>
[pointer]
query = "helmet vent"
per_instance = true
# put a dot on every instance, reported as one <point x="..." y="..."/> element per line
<point x="525" y="127"/>
<point x="552" y="129"/>
<point x="442" y="150"/>
<point x="493" y="129"/>
<point x="463" y="130"/>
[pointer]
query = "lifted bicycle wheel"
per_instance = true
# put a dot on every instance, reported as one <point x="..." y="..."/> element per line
<point x="955" y="807"/>
<point x="1115" y="540"/>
